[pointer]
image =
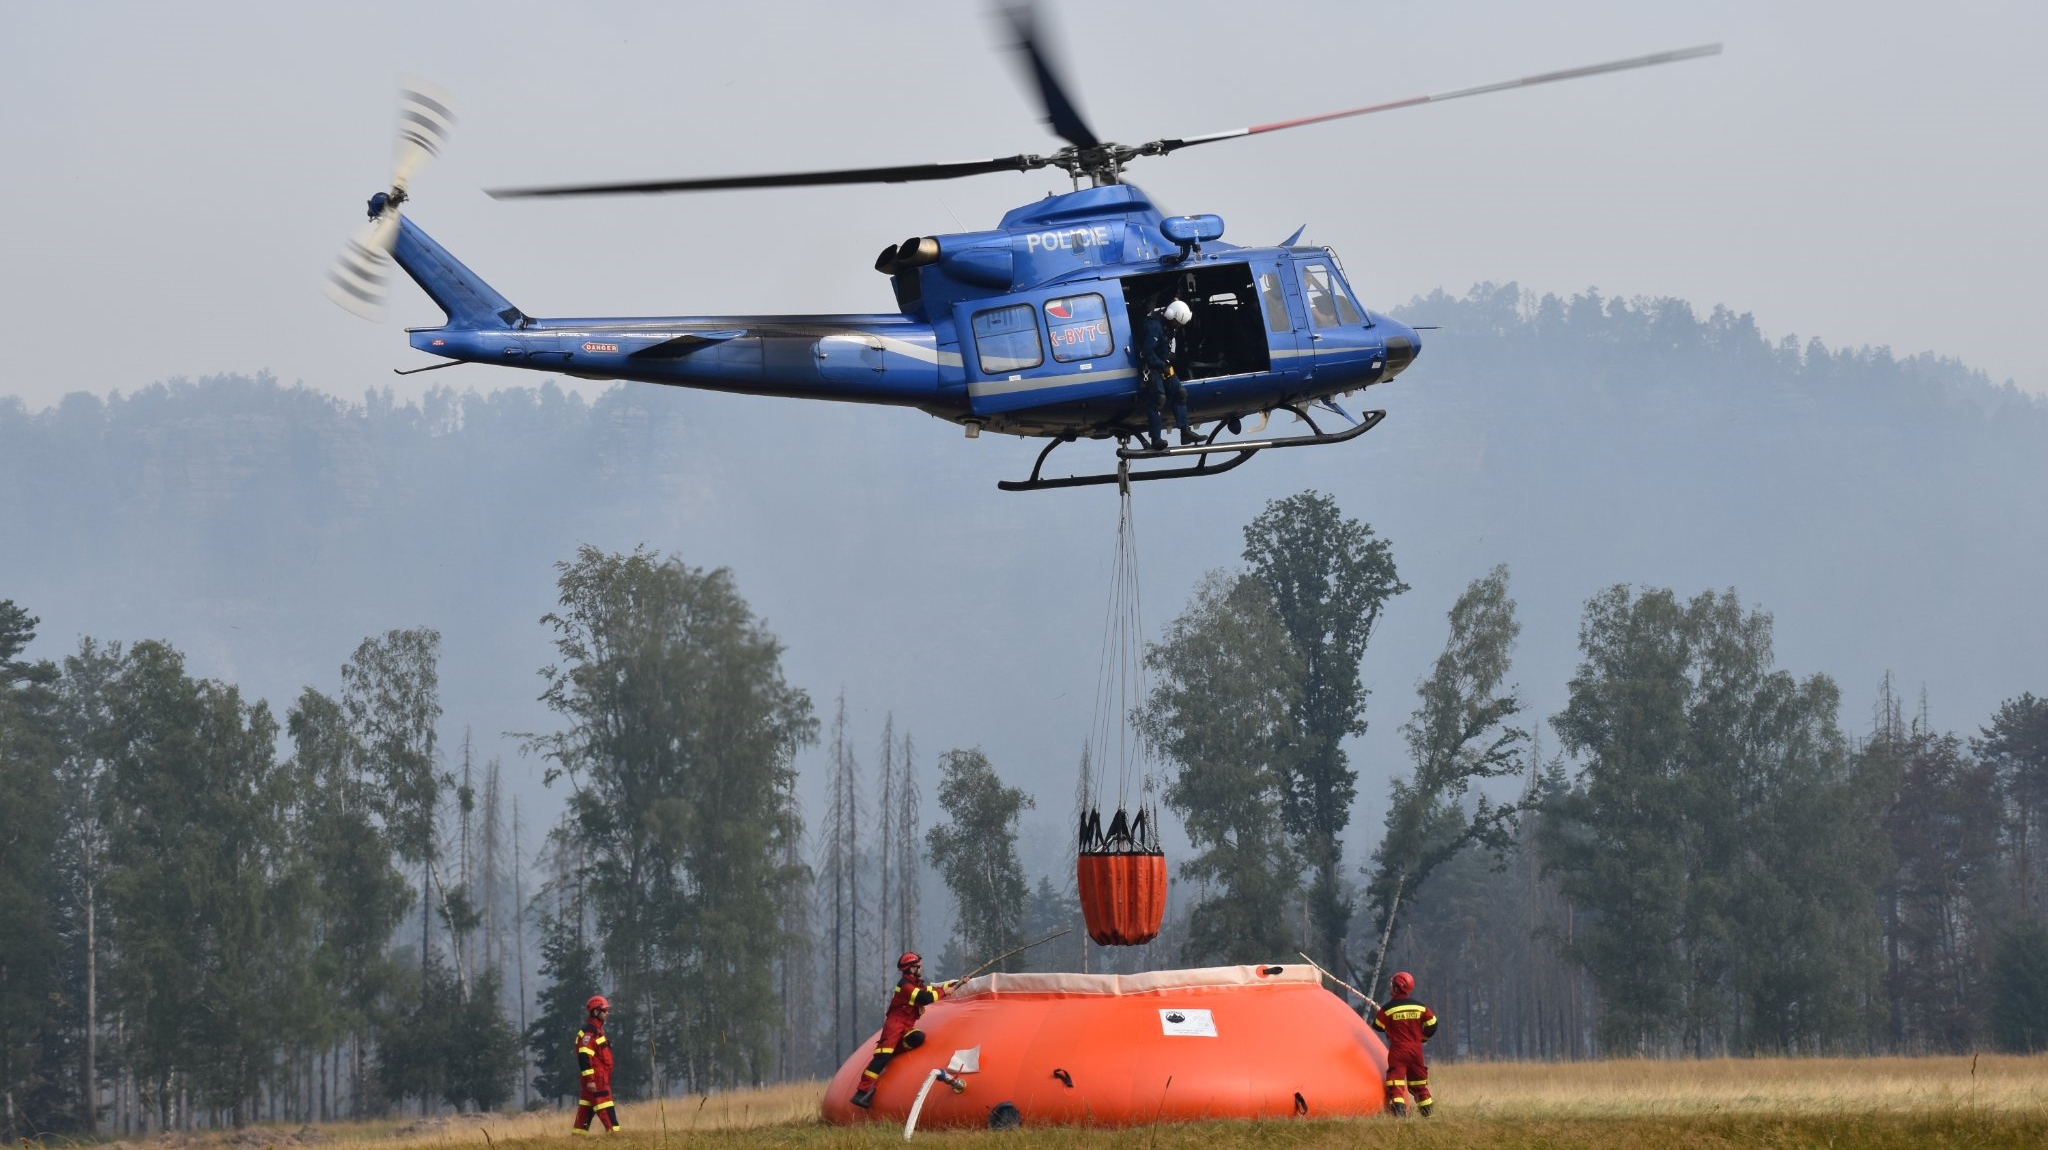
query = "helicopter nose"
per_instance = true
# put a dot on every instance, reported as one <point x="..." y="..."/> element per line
<point x="1403" y="345"/>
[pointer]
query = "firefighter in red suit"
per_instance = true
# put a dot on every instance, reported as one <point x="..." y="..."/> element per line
<point x="1407" y="1024"/>
<point x="594" y="1059"/>
<point x="899" y="1026"/>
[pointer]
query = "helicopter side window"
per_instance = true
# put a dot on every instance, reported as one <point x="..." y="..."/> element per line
<point x="1276" y="302"/>
<point x="1080" y="328"/>
<point x="1006" y="338"/>
<point x="1328" y="303"/>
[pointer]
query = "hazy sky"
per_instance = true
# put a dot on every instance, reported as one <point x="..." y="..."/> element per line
<point x="179" y="176"/>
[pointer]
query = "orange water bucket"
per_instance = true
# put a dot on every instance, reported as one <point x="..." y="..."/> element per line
<point x="1123" y="896"/>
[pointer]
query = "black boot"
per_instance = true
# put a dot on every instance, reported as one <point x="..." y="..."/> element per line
<point x="864" y="1097"/>
<point x="1158" y="442"/>
<point x="1188" y="438"/>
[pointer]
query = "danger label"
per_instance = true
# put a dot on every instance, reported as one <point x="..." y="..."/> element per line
<point x="600" y="347"/>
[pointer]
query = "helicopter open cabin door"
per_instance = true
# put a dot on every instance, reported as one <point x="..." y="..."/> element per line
<point x="1050" y="350"/>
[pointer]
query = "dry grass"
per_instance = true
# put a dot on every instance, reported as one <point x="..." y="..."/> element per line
<point x="1843" y="1104"/>
<point x="1755" y="1086"/>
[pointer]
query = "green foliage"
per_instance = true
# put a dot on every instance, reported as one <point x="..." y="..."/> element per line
<point x="32" y="1010"/>
<point x="391" y="693"/>
<point x="2015" y="746"/>
<point x="1223" y="709"/>
<point x="1458" y="735"/>
<point x="680" y="738"/>
<point x="1719" y="830"/>
<point x="975" y="851"/>
<point x="198" y="913"/>
<point x="353" y="891"/>
<point x="2019" y="988"/>
<point x="1327" y="578"/>
<point x="570" y="967"/>
<point x="1945" y="889"/>
<point x="454" y="1049"/>
<point x="17" y="630"/>
<point x="1054" y="906"/>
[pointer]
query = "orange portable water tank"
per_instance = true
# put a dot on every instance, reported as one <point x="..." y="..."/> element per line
<point x="1120" y="1050"/>
<point x="1123" y="896"/>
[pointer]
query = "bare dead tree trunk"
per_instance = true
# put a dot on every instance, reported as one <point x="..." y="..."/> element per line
<point x="91" y="1085"/>
<point x="908" y="860"/>
<point x="885" y="827"/>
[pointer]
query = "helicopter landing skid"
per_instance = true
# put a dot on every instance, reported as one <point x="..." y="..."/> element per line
<point x="1238" y="450"/>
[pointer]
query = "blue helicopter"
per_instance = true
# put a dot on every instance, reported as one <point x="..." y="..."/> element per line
<point x="1032" y="328"/>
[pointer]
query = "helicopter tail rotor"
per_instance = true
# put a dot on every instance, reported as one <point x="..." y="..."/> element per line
<point x="357" y="280"/>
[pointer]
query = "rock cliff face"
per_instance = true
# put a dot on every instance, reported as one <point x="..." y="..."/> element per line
<point x="1892" y="514"/>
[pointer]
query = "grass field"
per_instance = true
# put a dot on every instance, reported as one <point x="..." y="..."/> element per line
<point x="1841" y="1104"/>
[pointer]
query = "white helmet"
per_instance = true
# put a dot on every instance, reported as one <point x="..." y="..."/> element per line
<point x="1178" y="312"/>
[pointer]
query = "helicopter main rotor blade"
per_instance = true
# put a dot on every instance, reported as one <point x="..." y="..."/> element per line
<point x="1162" y="147"/>
<point x="900" y="174"/>
<point x="1061" y="113"/>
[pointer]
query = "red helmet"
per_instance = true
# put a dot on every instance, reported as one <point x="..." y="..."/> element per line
<point x="597" y="1002"/>
<point x="1403" y="984"/>
<point x="910" y="958"/>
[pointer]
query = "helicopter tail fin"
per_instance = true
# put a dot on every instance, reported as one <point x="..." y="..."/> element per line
<point x="468" y="300"/>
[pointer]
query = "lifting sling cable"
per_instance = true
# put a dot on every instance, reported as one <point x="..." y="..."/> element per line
<point x="1120" y="690"/>
<point x="1120" y="872"/>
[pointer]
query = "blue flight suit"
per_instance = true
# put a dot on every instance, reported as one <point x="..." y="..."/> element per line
<point x="1155" y="358"/>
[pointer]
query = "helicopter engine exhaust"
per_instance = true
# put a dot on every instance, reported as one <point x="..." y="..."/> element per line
<point x="915" y="252"/>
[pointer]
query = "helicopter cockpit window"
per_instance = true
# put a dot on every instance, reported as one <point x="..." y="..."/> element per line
<point x="1276" y="302"/>
<point x="1329" y="305"/>
<point x="1006" y="338"/>
<point x="1080" y="328"/>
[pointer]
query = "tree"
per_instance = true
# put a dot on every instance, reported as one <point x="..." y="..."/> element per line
<point x="82" y="778"/>
<point x="2015" y="746"/>
<point x="31" y="1012"/>
<point x="2019" y="988"/>
<point x="458" y="1048"/>
<point x="1943" y="828"/>
<point x="1719" y="831"/>
<point x="1222" y="709"/>
<point x="391" y="692"/>
<point x="1458" y="735"/>
<point x="359" y="896"/>
<point x="909" y="860"/>
<point x="482" y="1056"/>
<point x="203" y="920"/>
<point x="569" y="964"/>
<point x="840" y="885"/>
<point x="1328" y="579"/>
<point x="976" y="852"/>
<point x="679" y="745"/>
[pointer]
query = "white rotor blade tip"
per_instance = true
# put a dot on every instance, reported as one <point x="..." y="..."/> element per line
<point x="357" y="279"/>
<point x="426" y="116"/>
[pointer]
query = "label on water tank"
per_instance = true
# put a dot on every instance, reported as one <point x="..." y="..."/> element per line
<point x="1174" y="1020"/>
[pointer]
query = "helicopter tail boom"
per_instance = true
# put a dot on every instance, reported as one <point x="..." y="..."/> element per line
<point x="468" y="301"/>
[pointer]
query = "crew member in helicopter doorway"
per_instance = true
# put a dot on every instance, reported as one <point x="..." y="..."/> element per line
<point x="1157" y="356"/>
